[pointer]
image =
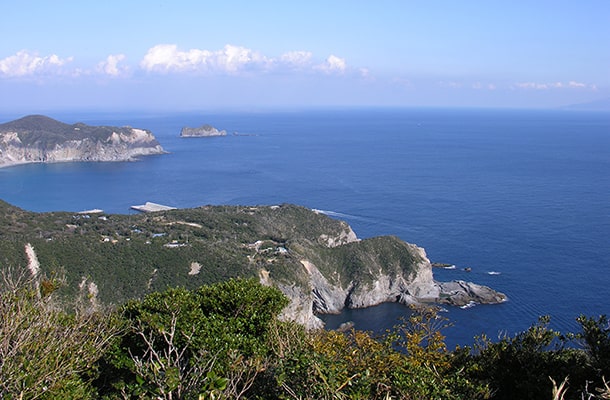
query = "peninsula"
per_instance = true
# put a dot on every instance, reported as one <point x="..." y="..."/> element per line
<point x="203" y="131"/>
<point x="316" y="261"/>
<point x="40" y="139"/>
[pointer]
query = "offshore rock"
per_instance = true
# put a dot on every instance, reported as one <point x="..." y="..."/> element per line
<point x="40" y="139"/>
<point x="461" y="293"/>
<point x="202" y="131"/>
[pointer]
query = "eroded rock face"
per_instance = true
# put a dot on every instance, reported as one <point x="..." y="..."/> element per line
<point x="346" y="236"/>
<point x="39" y="139"/>
<point x="412" y="284"/>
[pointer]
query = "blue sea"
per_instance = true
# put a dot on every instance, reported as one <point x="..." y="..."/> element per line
<point x="522" y="198"/>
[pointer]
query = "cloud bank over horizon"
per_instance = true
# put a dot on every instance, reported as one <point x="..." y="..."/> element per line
<point x="231" y="60"/>
<point x="169" y="59"/>
<point x="235" y="73"/>
<point x="316" y="53"/>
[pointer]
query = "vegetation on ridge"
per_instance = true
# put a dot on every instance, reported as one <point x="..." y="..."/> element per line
<point x="128" y="256"/>
<point x="42" y="131"/>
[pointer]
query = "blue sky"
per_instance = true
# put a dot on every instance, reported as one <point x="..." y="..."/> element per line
<point x="184" y="55"/>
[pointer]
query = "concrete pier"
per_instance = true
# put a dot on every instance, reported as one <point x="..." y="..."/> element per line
<point x="152" y="207"/>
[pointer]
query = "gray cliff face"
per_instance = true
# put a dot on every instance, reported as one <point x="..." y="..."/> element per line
<point x="202" y="131"/>
<point x="38" y="139"/>
<point x="386" y="281"/>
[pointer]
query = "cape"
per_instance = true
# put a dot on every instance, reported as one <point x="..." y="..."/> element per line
<point x="40" y="139"/>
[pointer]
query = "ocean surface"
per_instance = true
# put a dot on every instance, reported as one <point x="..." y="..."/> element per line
<point x="522" y="198"/>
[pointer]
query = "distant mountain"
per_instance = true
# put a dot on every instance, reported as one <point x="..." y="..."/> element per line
<point x="597" y="105"/>
<point x="37" y="138"/>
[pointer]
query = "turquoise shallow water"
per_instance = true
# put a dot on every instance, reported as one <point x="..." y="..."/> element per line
<point x="525" y="194"/>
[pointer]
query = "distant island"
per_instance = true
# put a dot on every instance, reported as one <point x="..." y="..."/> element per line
<point x="203" y="131"/>
<point x="40" y="139"/>
<point x="596" y="105"/>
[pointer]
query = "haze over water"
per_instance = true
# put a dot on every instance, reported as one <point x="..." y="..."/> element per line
<point x="523" y="194"/>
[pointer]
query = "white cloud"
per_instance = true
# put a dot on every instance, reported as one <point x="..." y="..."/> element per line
<point x="333" y="64"/>
<point x="531" y="85"/>
<point x="451" y="85"/>
<point x="296" y="59"/>
<point x="365" y="74"/>
<point x="483" y="86"/>
<point x="230" y="59"/>
<point x="573" y="84"/>
<point x="25" y="63"/>
<point x="234" y="58"/>
<point x="554" y="85"/>
<point x="168" y="58"/>
<point x="110" y="66"/>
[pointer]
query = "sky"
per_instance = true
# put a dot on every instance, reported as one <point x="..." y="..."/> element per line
<point x="186" y="55"/>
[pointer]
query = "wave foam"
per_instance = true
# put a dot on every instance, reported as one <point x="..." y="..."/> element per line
<point x="469" y="305"/>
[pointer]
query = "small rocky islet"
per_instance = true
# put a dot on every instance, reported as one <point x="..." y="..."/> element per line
<point x="202" y="131"/>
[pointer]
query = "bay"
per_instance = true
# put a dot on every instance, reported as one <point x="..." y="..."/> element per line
<point x="524" y="194"/>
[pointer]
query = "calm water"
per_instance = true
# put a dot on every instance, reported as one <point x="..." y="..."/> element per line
<point x="525" y="194"/>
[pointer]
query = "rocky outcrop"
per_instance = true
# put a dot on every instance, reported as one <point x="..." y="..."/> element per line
<point x="461" y="293"/>
<point x="386" y="281"/>
<point x="202" y="131"/>
<point x="39" y="139"/>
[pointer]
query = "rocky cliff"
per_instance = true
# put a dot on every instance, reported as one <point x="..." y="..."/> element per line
<point x="202" y="131"/>
<point x="374" y="271"/>
<point x="36" y="139"/>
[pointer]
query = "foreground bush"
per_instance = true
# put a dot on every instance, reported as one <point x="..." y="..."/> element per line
<point x="225" y="341"/>
<point x="211" y="342"/>
<point x="531" y="364"/>
<point x="48" y="348"/>
<point x="409" y="362"/>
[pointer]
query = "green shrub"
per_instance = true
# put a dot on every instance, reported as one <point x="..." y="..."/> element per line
<point x="520" y="366"/>
<point x="182" y="343"/>
<point x="46" y="351"/>
<point x="408" y="362"/>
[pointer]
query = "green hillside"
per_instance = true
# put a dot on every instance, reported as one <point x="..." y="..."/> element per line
<point x="130" y="255"/>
